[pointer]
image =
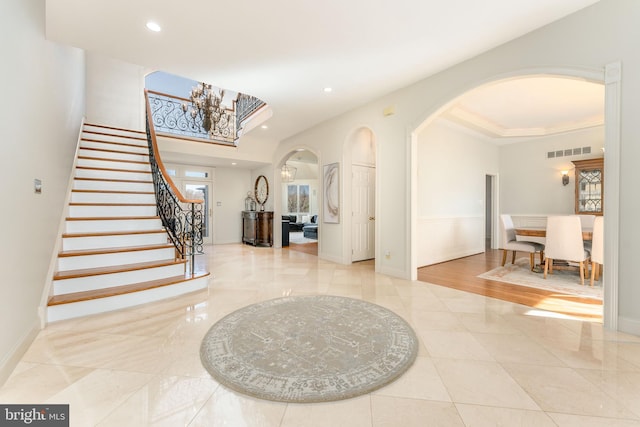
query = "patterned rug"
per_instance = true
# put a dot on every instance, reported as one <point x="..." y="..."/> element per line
<point x="561" y="281"/>
<point x="308" y="349"/>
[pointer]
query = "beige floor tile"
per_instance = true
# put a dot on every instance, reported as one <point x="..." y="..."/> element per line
<point x="395" y="412"/>
<point x="487" y="416"/>
<point x="421" y="381"/>
<point x="624" y="387"/>
<point x="454" y="345"/>
<point x="517" y="348"/>
<point x="164" y="401"/>
<point x="482" y="383"/>
<point x="354" y="412"/>
<point x="96" y="395"/>
<point x="141" y="366"/>
<point x="566" y="420"/>
<point x="226" y="408"/>
<point x="564" y="390"/>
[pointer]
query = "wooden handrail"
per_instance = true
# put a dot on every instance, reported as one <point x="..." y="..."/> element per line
<point x="155" y="92"/>
<point x="156" y="154"/>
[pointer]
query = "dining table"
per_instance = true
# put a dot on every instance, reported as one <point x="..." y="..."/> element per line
<point x="587" y="233"/>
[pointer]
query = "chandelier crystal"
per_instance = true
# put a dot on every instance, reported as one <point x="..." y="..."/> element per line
<point x="206" y="105"/>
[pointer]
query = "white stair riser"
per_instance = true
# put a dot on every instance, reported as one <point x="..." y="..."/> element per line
<point x="81" y="284"/>
<point x="109" y="211"/>
<point x="124" y="137"/>
<point x="99" y="226"/>
<point x="138" y="149"/>
<point x="108" y="155"/>
<point x="116" y="241"/>
<point x="120" y="258"/>
<point x="80" y="184"/>
<point x="97" y="197"/>
<point x="106" y="174"/>
<point x="109" y="164"/>
<point x="103" y="305"/>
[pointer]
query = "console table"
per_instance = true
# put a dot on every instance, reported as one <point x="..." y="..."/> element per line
<point x="257" y="228"/>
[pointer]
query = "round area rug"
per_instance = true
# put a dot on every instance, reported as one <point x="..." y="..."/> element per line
<point x="308" y="349"/>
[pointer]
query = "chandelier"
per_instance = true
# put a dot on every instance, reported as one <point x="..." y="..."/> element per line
<point x="288" y="173"/>
<point x="207" y="108"/>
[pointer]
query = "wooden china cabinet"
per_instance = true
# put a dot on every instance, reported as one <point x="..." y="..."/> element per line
<point x="589" y="178"/>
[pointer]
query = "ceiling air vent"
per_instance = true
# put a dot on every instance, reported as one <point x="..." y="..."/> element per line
<point x="567" y="152"/>
<point x="586" y="150"/>
<point x="551" y="154"/>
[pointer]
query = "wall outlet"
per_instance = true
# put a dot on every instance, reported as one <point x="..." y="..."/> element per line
<point x="387" y="254"/>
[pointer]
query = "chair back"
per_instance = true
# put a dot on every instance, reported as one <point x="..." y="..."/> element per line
<point x="564" y="238"/>
<point x="597" y="241"/>
<point x="507" y="233"/>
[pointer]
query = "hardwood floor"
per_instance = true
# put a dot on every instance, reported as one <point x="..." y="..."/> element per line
<point x="462" y="274"/>
<point x="308" y="248"/>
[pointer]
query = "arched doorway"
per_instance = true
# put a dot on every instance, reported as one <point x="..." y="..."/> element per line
<point x="611" y="79"/>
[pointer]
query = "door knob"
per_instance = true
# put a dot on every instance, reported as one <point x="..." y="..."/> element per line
<point x="372" y="218"/>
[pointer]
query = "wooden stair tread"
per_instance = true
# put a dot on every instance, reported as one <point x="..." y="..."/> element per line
<point x="124" y="144"/>
<point x="112" y="192"/>
<point x="109" y="204"/>
<point x="101" y="251"/>
<point x="136" y="181"/>
<point x="102" y="159"/>
<point x="141" y="132"/>
<point x="97" y="271"/>
<point x="122" y="290"/>
<point x="108" y="218"/>
<point x="112" y="233"/>
<point x="106" y="150"/>
<point x="111" y="169"/>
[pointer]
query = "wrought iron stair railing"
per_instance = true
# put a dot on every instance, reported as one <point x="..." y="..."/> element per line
<point x="181" y="217"/>
<point x="169" y="117"/>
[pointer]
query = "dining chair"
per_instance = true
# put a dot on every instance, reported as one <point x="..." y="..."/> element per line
<point x="510" y="243"/>
<point x="586" y="222"/>
<point x="597" y="248"/>
<point x="564" y="242"/>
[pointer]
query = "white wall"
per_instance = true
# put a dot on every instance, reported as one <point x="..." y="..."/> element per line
<point x="230" y="188"/>
<point x="42" y="84"/>
<point x="115" y="93"/>
<point x="452" y="168"/>
<point x="530" y="184"/>
<point x="584" y="42"/>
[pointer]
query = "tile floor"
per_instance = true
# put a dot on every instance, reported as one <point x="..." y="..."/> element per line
<point x="482" y="362"/>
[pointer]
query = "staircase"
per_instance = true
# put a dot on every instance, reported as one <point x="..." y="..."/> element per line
<point x="115" y="252"/>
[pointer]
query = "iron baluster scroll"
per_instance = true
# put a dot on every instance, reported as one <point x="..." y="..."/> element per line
<point x="182" y="218"/>
<point x="169" y="116"/>
<point x="246" y="105"/>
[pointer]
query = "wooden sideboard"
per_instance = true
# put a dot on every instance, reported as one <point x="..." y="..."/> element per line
<point x="257" y="228"/>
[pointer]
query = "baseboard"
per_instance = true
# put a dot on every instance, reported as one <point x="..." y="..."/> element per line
<point x="10" y="361"/>
<point x="394" y="272"/>
<point x="332" y="258"/>
<point x="629" y="326"/>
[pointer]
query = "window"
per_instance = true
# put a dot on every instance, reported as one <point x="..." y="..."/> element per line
<point x="298" y="198"/>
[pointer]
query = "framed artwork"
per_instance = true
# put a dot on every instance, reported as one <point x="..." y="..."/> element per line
<point x="331" y="199"/>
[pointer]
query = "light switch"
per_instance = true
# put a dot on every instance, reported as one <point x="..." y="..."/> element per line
<point x="37" y="186"/>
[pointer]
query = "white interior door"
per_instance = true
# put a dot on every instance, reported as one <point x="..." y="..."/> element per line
<point x="363" y="217"/>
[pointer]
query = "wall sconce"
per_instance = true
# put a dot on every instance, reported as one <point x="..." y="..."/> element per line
<point x="565" y="177"/>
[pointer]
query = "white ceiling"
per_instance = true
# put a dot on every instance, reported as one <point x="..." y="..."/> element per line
<point x="286" y="51"/>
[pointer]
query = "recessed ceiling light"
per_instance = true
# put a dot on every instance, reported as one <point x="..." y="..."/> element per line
<point x="233" y="163"/>
<point x="327" y="89"/>
<point x="153" y="26"/>
<point x="264" y="127"/>
<point x="299" y="149"/>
